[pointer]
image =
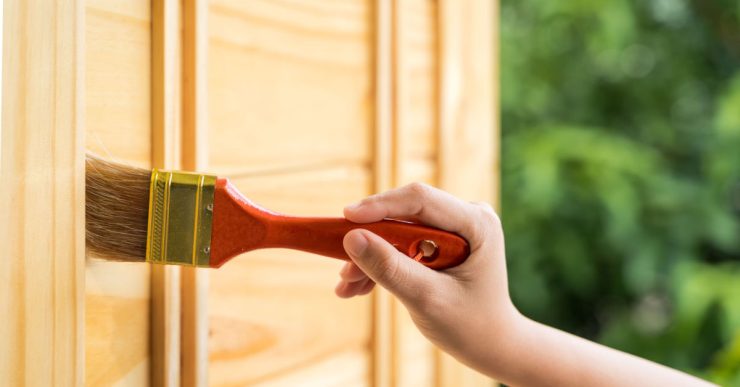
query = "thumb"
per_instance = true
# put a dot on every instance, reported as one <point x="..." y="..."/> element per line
<point x="388" y="267"/>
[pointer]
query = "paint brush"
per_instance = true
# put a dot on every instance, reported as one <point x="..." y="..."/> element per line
<point x="193" y="219"/>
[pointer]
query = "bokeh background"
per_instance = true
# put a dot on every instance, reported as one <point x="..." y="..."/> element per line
<point x="621" y="174"/>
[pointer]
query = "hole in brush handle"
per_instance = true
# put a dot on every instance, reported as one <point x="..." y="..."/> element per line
<point x="426" y="251"/>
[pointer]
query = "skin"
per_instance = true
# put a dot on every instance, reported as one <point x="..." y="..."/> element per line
<point x="466" y="310"/>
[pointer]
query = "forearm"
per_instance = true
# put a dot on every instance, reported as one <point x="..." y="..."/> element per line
<point x="531" y="354"/>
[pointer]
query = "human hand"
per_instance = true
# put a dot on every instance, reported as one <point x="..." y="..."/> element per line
<point x="466" y="310"/>
<point x="454" y="307"/>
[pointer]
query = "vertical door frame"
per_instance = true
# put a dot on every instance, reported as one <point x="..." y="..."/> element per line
<point x="194" y="290"/>
<point x="384" y="356"/>
<point x="466" y="138"/>
<point x="42" y="194"/>
<point x="179" y="323"/>
<point x="468" y="99"/>
<point x="165" y="97"/>
<point x="467" y="117"/>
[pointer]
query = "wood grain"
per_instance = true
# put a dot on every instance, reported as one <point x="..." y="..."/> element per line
<point x="290" y="89"/>
<point x="468" y="134"/>
<point x="416" y="355"/>
<point x="383" y="354"/>
<point x="315" y="104"/>
<point x="415" y="130"/>
<point x="194" y="290"/>
<point x="117" y="118"/>
<point x="165" y="84"/>
<point x="118" y="337"/>
<point x="289" y="84"/>
<point x="274" y="312"/>
<point x="166" y="148"/>
<point x="117" y="80"/>
<point x="338" y="371"/>
<point x="416" y="83"/>
<point x="42" y="195"/>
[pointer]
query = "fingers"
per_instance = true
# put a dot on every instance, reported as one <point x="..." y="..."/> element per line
<point x="347" y="289"/>
<point x="351" y="273"/>
<point x="369" y="285"/>
<point x="384" y="265"/>
<point x="353" y="282"/>
<point x="421" y="202"/>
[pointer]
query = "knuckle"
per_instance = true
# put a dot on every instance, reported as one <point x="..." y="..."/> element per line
<point x="419" y="190"/>
<point x="486" y="223"/>
<point x="484" y="206"/>
<point x="494" y="220"/>
<point x="371" y="199"/>
<point x="488" y="216"/>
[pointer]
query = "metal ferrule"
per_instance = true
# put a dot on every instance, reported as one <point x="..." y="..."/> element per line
<point x="180" y="218"/>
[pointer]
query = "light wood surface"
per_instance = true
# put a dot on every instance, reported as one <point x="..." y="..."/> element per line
<point x="194" y="290"/>
<point x="270" y="130"/>
<point x="117" y="126"/>
<point x="290" y="119"/>
<point x="166" y="122"/>
<point x="382" y="334"/>
<point x="116" y="323"/>
<point x="307" y="104"/>
<point x="117" y="79"/>
<point x="289" y="84"/>
<point x="416" y="85"/>
<point x="273" y="312"/>
<point x="468" y="134"/>
<point x="340" y="370"/>
<point x="42" y="195"/>
<point x="415" y="128"/>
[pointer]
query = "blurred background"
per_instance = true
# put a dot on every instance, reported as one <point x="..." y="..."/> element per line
<point x="621" y="174"/>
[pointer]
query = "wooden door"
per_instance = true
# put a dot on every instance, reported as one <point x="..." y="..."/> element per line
<point x="307" y="105"/>
<point x="290" y="122"/>
<point x="117" y="122"/>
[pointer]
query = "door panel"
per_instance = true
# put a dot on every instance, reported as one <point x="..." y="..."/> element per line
<point x="117" y="79"/>
<point x="307" y="105"/>
<point x="273" y="312"/>
<point x="417" y="158"/>
<point x="290" y="122"/>
<point x="289" y="84"/>
<point x="41" y="195"/>
<point x="416" y="74"/>
<point x="117" y="122"/>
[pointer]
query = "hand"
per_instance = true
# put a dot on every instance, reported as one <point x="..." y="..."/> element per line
<point x="452" y="308"/>
<point x="466" y="310"/>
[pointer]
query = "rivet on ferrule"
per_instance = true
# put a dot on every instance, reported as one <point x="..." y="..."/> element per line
<point x="180" y="218"/>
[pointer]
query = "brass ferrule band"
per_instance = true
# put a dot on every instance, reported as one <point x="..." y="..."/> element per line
<point x="180" y="218"/>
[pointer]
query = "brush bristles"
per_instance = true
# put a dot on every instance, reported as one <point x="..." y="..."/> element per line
<point x="116" y="209"/>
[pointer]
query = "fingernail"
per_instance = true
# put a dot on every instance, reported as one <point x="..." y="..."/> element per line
<point x="356" y="243"/>
<point x="345" y="269"/>
<point x="353" y="206"/>
<point x="339" y="289"/>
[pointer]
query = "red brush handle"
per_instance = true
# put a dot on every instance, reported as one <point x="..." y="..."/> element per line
<point x="240" y="226"/>
<point x="324" y="236"/>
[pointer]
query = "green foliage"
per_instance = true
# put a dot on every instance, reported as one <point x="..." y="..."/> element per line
<point x="621" y="174"/>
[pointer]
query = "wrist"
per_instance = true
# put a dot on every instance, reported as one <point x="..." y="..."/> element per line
<point x="510" y="327"/>
<point x="497" y="351"/>
<point x="484" y="340"/>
